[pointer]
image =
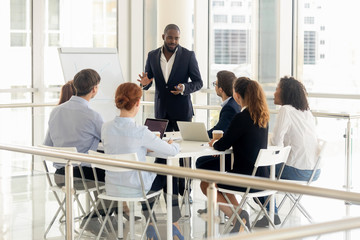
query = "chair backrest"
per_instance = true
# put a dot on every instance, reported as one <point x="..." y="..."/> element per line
<point x="320" y="149"/>
<point x="272" y="155"/>
<point x="58" y="160"/>
<point x="125" y="157"/>
<point x="319" y="153"/>
<point x="131" y="157"/>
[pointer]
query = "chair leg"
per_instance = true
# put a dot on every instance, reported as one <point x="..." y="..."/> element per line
<point x="54" y="218"/>
<point x="132" y="221"/>
<point x="295" y="202"/>
<point x="305" y="212"/>
<point x="282" y="201"/>
<point x="263" y="209"/>
<point x="151" y="212"/>
<point x="89" y="218"/>
<point x="120" y="220"/>
<point x="106" y="219"/>
<point x="186" y="196"/>
<point x="227" y="225"/>
<point x="235" y="214"/>
<point x="79" y="204"/>
<point x="301" y="207"/>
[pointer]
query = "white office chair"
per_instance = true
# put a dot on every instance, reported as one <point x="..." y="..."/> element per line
<point x="295" y="198"/>
<point x="120" y="200"/>
<point x="79" y="188"/>
<point x="266" y="157"/>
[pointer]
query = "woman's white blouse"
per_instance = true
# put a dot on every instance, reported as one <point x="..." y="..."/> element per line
<point x="296" y="128"/>
<point x="122" y="135"/>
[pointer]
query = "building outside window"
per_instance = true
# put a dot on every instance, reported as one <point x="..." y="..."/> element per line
<point x="220" y="18"/>
<point x="238" y="19"/>
<point x="309" y="47"/>
<point x="309" y="20"/>
<point x="218" y="3"/>
<point x="236" y="3"/>
<point x="231" y="45"/>
<point x="67" y="28"/>
<point x="63" y="27"/>
<point x="330" y="66"/>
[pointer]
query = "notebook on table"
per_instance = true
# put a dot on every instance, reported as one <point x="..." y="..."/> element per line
<point x="193" y="131"/>
<point x="157" y="125"/>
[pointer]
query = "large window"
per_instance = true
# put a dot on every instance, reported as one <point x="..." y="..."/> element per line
<point x="94" y="27"/>
<point x="230" y="44"/>
<point x="28" y="75"/>
<point x="331" y="67"/>
<point x="16" y="81"/>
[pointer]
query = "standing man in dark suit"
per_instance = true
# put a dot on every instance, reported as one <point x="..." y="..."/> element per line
<point x="224" y="89"/>
<point x="171" y="66"/>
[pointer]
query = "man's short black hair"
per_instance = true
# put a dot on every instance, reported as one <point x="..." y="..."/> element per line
<point x="225" y="81"/>
<point x="85" y="81"/>
<point x="171" y="26"/>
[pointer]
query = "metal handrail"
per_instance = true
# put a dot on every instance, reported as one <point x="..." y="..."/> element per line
<point x="316" y="113"/>
<point x="24" y="105"/>
<point x="301" y="231"/>
<point x="218" y="177"/>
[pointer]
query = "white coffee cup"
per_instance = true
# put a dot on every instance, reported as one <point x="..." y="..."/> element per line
<point x="217" y="134"/>
<point x="156" y="133"/>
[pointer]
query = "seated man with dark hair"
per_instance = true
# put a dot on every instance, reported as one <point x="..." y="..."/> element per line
<point x="75" y="124"/>
<point x="224" y="89"/>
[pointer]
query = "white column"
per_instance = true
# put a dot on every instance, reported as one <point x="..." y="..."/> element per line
<point x="151" y="33"/>
<point x="38" y="82"/>
<point x="38" y="39"/>
<point x="179" y="13"/>
<point x="137" y="39"/>
<point x="124" y="37"/>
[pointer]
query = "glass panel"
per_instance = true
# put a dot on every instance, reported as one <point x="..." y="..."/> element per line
<point x="15" y="128"/>
<point x="54" y="15"/>
<point x="18" y="14"/>
<point x="94" y="27"/>
<point x="230" y="43"/>
<point x="15" y="45"/>
<point x="54" y="39"/>
<point x="18" y="39"/>
<point x="15" y="51"/>
<point x="329" y="64"/>
<point x="331" y="50"/>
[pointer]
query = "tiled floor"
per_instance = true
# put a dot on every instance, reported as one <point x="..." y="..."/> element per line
<point x="27" y="206"/>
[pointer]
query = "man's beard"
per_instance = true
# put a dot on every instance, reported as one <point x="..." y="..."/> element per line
<point x="169" y="49"/>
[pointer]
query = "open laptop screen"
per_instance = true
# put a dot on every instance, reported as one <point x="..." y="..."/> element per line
<point x="158" y="125"/>
<point x="193" y="131"/>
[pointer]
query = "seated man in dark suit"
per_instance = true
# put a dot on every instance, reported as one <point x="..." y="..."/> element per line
<point x="224" y="89"/>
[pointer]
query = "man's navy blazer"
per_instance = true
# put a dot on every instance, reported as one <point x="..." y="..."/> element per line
<point x="167" y="105"/>
<point x="227" y="113"/>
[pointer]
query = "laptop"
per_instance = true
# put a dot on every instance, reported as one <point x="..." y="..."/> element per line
<point x="193" y="131"/>
<point x="158" y="125"/>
